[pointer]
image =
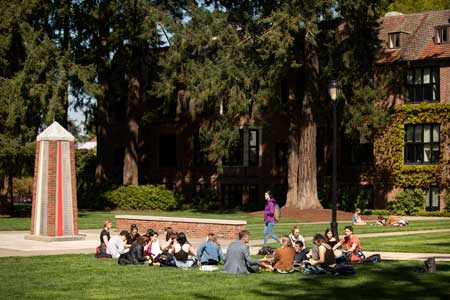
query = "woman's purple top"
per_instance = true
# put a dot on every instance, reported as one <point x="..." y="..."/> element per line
<point x="269" y="211"/>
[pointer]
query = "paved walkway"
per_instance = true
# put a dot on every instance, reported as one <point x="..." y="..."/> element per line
<point x="13" y="243"/>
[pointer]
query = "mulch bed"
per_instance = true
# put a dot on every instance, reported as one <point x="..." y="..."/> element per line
<point x="313" y="215"/>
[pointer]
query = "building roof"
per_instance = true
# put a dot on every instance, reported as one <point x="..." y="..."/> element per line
<point x="55" y="132"/>
<point x="417" y="36"/>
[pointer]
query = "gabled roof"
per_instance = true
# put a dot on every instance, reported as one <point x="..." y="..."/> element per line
<point x="417" y="40"/>
<point x="55" y="132"/>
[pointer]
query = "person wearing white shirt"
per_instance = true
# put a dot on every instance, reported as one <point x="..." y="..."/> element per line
<point x="116" y="245"/>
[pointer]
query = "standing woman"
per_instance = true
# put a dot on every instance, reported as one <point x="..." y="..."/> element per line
<point x="269" y="218"/>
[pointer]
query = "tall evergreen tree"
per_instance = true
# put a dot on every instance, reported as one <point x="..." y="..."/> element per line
<point x="413" y="6"/>
<point x="244" y="50"/>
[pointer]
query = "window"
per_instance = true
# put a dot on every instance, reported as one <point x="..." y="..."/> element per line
<point x="281" y="154"/>
<point x="356" y="154"/>
<point x="253" y="147"/>
<point x="200" y="152"/>
<point x="432" y="198"/>
<point x="441" y="35"/>
<point x="236" y="154"/>
<point x="422" y="143"/>
<point x="422" y="84"/>
<point x="167" y="150"/>
<point x="394" y="40"/>
<point x="232" y="195"/>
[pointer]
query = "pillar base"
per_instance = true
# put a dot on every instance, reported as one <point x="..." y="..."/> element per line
<point x="43" y="238"/>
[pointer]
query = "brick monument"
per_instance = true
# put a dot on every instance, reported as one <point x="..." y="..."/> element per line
<point x="54" y="214"/>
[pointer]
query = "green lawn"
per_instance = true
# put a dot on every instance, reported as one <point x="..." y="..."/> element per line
<point x="422" y="243"/>
<point x="94" y="220"/>
<point x="84" y="277"/>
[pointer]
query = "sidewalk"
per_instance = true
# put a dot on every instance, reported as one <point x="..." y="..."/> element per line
<point x="13" y="243"/>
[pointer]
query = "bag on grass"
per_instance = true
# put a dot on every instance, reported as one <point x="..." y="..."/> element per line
<point x="266" y="250"/>
<point x="344" y="269"/>
<point x="374" y="258"/>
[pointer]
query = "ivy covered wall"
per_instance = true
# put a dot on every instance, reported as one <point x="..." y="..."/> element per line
<point x="390" y="170"/>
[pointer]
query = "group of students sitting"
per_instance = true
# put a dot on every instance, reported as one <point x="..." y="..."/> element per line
<point x="134" y="248"/>
<point x="324" y="256"/>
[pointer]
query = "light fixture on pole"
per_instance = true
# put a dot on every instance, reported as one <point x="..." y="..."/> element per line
<point x="333" y="89"/>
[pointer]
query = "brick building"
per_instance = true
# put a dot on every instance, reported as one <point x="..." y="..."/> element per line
<point x="412" y="151"/>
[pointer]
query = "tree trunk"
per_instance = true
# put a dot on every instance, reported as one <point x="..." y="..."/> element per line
<point x="131" y="157"/>
<point x="102" y="111"/>
<point x="302" y="170"/>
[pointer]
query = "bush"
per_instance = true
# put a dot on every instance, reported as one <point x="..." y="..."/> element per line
<point x="375" y="212"/>
<point x="206" y="199"/>
<point x="142" y="197"/>
<point x="352" y="199"/>
<point x="408" y="202"/>
<point x="433" y="213"/>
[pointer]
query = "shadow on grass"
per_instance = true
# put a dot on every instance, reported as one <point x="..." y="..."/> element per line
<point x="381" y="281"/>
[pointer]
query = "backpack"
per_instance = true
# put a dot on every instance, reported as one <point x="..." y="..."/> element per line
<point x="277" y="213"/>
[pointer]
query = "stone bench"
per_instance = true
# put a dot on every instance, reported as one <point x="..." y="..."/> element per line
<point x="192" y="227"/>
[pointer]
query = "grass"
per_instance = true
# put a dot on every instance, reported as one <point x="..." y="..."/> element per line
<point x="94" y="220"/>
<point x="84" y="277"/>
<point x="421" y="243"/>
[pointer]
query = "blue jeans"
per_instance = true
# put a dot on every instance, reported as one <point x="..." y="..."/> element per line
<point x="268" y="230"/>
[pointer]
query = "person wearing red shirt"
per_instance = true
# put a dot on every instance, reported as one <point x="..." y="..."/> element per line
<point x="351" y="242"/>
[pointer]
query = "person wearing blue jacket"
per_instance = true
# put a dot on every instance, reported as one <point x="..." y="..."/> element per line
<point x="209" y="253"/>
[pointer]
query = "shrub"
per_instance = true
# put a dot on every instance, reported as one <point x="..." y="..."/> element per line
<point x="375" y="212"/>
<point x="433" y="213"/>
<point x="206" y="199"/>
<point x="142" y="197"/>
<point x="408" y="202"/>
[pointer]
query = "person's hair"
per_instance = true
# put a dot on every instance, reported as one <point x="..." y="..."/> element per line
<point x="349" y="228"/>
<point x="294" y="228"/>
<point x="181" y="238"/>
<point x="107" y="221"/>
<point x="318" y="238"/>
<point x="169" y="231"/>
<point x="213" y="238"/>
<point x="358" y="210"/>
<point x="268" y="192"/>
<point x="286" y="241"/>
<point x="300" y="243"/>
<point x="243" y="233"/>
<point x="143" y="240"/>
<point x="124" y="233"/>
<point x="326" y="233"/>
<point x="133" y="227"/>
<point x="152" y="234"/>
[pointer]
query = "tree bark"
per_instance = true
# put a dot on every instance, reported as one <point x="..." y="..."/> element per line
<point x="302" y="170"/>
<point x="101" y="114"/>
<point x="131" y="157"/>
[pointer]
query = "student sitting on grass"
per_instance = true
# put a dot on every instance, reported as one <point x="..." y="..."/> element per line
<point x="136" y="254"/>
<point x="326" y="261"/>
<point x="153" y="248"/>
<point x="116" y="245"/>
<point x="296" y="236"/>
<point x="352" y="244"/>
<point x="105" y="236"/>
<point x="283" y="257"/>
<point x="301" y="253"/>
<point x="209" y="253"/>
<point x="356" y="219"/>
<point x="238" y="259"/>
<point x="183" y="252"/>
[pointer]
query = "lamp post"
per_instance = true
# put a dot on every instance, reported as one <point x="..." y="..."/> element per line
<point x="333" y="89"/>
